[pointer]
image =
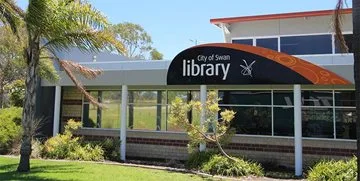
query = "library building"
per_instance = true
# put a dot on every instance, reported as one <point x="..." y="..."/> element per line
<point x="283" y="74"/>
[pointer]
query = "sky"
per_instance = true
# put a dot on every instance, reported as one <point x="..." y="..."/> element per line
<point x="175" y="25"/>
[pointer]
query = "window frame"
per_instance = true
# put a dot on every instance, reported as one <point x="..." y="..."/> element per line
<point x="254" y="38"/>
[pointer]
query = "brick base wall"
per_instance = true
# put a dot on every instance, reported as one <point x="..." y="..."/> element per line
<point x="274" y="150"/>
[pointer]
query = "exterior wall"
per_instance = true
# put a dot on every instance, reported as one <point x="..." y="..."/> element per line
<point x="71" y="105"/>
<point x="292" y="26"/>
<point x="274" y="150"/>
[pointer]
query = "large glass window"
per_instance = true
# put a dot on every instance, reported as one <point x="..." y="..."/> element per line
<point x="283" y="113"/>
<point x="251" y="120"/>
<point x="270" y="43"/>
<point x="193" y="116"/>
<point x="317" y="122"/>
<point x="345" y="116"/>
<point x="304" y="45"/>
<point x="283" y="121"/>
<point x="145" y="110"/>
<point x="243" y="41"/>
<point x="253" y="110"/>
<point x="348" y="40"/>
<point x="106" y="117"/>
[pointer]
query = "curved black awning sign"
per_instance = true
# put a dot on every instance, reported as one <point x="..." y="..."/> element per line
<point x="236" y="64"/>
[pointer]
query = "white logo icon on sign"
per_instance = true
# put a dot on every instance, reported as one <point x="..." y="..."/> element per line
<point x="247" y="69"/>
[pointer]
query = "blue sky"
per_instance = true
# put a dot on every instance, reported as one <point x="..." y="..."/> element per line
<point x="172" y="24"/>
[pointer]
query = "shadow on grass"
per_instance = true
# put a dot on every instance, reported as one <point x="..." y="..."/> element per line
<point x="11" y="173"/>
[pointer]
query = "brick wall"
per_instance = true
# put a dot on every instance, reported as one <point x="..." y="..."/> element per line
<point x="275" y="150"/>
<point x="71" y="105"/>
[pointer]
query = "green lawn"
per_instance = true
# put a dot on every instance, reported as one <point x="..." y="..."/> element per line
<point x="58" y="170"/>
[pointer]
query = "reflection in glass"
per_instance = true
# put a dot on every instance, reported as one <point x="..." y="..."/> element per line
<point x="345" y="123"/>
<point x="283" y="121"/>
<point x="317" y="122"/>
<point x="285" y="98"/>
<point x="317" y="98"/>
<point x="270" y="43"/>
<point x="251" y="120"/>
<point x="305" y="45"/>
<point x="345" y="98"/>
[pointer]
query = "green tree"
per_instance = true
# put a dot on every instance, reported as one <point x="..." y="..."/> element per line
<point x="156" y="55"/>
<point x="356" y="49"/>
<point x="11" y="60"/>
<point x="136" y="40"/>
<point x="56" y="25"/>
<point x="213" y="130"/>
<point x="12" y="65"/>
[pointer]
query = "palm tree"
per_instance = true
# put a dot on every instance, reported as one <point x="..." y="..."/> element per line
<point x="54" y="25"/>
<point x="356" y="50"/>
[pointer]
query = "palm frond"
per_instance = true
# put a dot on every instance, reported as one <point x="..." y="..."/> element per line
<point x="84" y="71"/>
<point x="68" y="69"/>
<point x="86" y="40"/>
<point x="337" y="26"/>
<point x="10" y="14"/>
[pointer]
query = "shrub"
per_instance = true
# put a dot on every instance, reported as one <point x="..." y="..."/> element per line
<point x="220" y="165"/>
<point x="197" y="159"/>
<point x="10" y="129"/>
<point x="334" y="170"/>
<point x="111" y="148"/>
<point x="87" y="153"/>
<point x="66" y="146"/>
<point x="37" y="148"/>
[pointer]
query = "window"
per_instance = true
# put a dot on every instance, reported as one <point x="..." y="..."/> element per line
<point x="107" y="117"/>
<point x="243" y="41"/>
<point x="345" y="98"/>
<point x="146" y="110"/>
<point x="345" y="117"/>
<point x="283" y="113"/>
<point x="317" y="98"/>
<point x="284" y="98"/>
<point x="186" y="96"/>
<point x="270" y="43"/>
<point x="317" y="122"/>
<point x="251" y="119"/>
<point x="253" y="110"/>
<point x="283" y="121"/>
<point x="348" y="39"/>
<point x="303" y="45"/>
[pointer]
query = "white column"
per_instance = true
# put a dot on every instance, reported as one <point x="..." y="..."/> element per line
<point x="203" y="111"/>
<point x="297" y="130"/>
<point x="124" y="100"/>
<point x="57" y="110"/>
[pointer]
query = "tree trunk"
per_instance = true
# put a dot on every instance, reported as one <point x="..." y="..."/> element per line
<point x="356" y="48"/>
<point x="29" y="107"/>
